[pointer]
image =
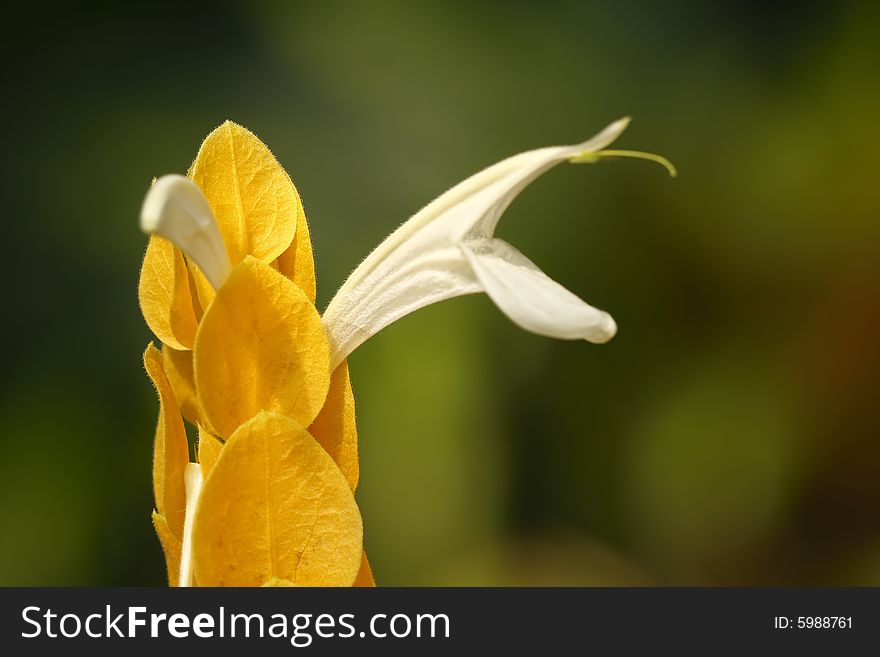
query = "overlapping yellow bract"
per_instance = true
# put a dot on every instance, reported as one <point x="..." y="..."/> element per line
<point x="178" y="366"/>
<point x="170" y="456"/>
<point x="259" y="213"/>
<point x="170" y="449"/>
<point x="276" y="507"/>
<point x="260" y="346"/>
<point x="249" y="365"/>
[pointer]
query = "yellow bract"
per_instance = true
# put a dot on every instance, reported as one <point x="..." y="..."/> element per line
<point x="170" y="450"/>
<point x="164" y="295"/>
<point x="179" y="370"/>
<point x="335" y="427"/>
<point x="276" y="507"/>
<point x="260" y="346"/>
<point x="297" y="262"/>
<point x="251" y="195"/>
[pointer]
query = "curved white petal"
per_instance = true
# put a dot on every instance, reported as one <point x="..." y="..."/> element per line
<point x="530" y="298"/>
<point x="420" y="263"/>
<point x="176" y="209"/>
<point x="426" y="278"/>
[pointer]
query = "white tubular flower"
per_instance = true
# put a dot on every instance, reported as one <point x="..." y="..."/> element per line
<point x="448" y="249"/>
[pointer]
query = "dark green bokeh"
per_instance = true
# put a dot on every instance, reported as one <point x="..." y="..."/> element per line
<point x="728" y="435"/>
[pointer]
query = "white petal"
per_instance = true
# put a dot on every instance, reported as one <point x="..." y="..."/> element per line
<point x="531" y="299"/>
<point x="420" y="262"/>
<point x="176" y="209"/>
<point x="361" y="312"/>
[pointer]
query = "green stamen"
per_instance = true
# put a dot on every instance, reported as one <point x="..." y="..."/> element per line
<point x="590" y="158"/>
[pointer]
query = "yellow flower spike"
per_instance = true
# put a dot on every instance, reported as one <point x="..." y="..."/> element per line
<point x="164" y="295"/>
<point x="235" y="231"/>
<point x="365" y="574"/>
<point x="276" y="507"/>
<point x="260" y="346"/>
<point x="171" y="452"/>
<point x="335" y="428"/>
<point x="179" y="370"/>
<point x="253" y="199"/>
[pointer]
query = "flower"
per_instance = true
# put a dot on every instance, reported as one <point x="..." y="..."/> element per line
<point x="228" y="286"/>
<point x="448" y="249"/>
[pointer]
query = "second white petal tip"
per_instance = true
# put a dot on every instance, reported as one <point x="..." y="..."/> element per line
<point x="533" y="300"/>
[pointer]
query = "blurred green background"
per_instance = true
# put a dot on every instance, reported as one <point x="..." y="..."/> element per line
<point x="728" y="434"/>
